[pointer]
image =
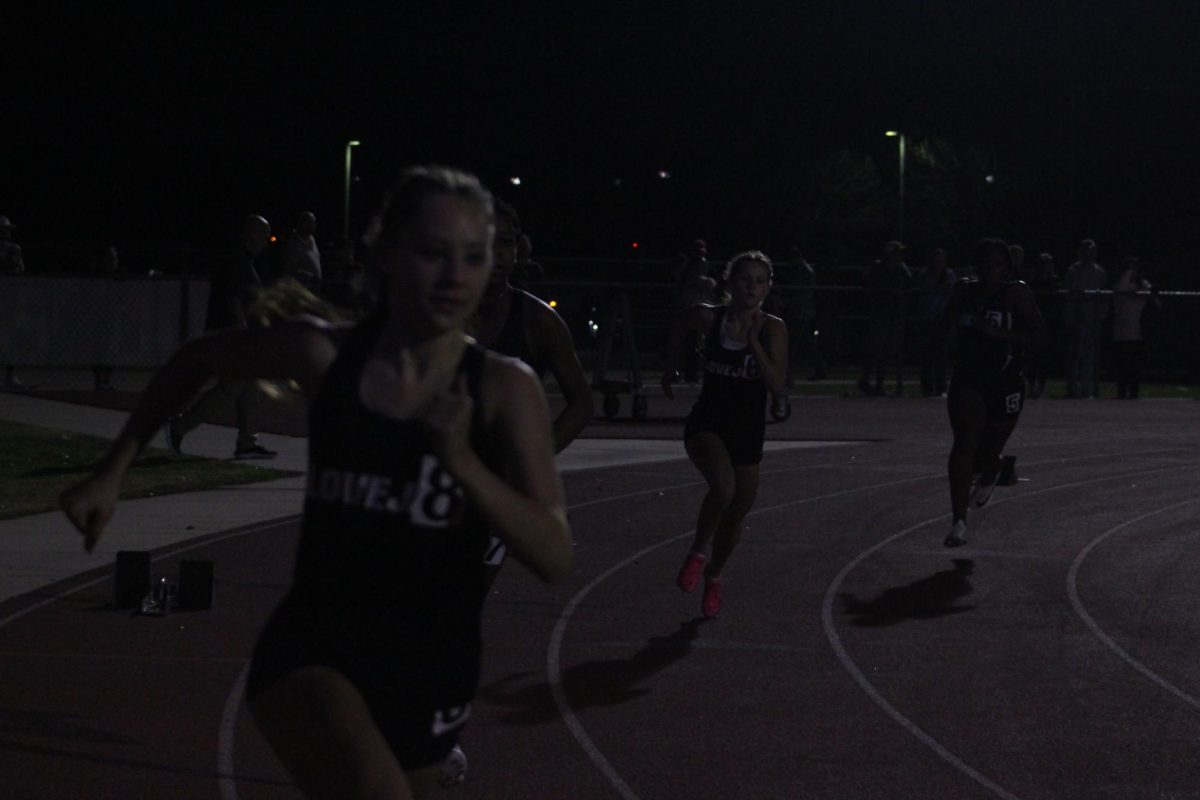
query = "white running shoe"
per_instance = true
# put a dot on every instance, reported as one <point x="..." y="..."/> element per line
<point x="982" y="492"/>
<point x="454" y="768"/>
<point x="957" y="536"/>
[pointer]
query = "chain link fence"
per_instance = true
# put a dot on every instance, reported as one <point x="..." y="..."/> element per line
<point x="619" y="313"/>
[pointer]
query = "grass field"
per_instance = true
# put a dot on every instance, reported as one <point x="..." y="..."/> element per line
<point x="36" y="464"/>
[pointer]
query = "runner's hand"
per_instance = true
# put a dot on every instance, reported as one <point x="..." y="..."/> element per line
<point x="448" y="418"/>
<point x="89" y="506"/>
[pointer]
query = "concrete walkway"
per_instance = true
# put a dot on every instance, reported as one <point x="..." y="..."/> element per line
<point x="40" y="549"/>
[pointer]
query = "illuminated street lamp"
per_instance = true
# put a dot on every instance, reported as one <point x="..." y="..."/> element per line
<point x="346" y="195"/>
<point x="901" y="137"/>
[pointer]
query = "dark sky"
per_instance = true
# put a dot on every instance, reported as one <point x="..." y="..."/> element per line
<point x="167" y="127"/>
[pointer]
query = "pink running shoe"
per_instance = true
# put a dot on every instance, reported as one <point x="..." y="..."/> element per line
<point x="711" y="603"/>
<point x="689" y="573"/>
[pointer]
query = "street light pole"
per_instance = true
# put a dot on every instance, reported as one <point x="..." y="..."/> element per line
<point x="900" y="135"/>
<point x="346" y="194"/>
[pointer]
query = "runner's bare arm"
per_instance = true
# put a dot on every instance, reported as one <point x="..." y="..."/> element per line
<point x="564" y="364"/>
<point x="298" y="350"/>
<point x="525" y="508"/>
<point x="773" y="358"/>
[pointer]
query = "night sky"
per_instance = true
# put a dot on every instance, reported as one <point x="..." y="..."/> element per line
<point x="166" y="128"/>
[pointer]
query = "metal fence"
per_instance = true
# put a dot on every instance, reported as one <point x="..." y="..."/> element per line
<point x="829" y="320"/>
<point x="619" y="314"/>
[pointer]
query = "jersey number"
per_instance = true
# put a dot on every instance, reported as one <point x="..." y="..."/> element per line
<point x="438" y="496"/>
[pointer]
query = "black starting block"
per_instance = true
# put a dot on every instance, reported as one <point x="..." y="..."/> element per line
<point x="1008" y="471"/>
<point x="131" y="580"/>
<point x="133" y="586"/>
<point x="195" y="585"/>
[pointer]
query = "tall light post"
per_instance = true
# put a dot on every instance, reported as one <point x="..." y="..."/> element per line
<point x="901" y="138"/>
<point x="350" y="145"/>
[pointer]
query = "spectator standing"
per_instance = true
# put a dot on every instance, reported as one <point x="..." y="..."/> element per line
<point x="1045" y="284"/>
<point x="1020" y="270"/>
<point x="108" y="267"/>
<point x="234" y="285"/>
<point x="512" y="322"/>
<point x="884" y="294"/>
<point x="934" y="285"/>
<point x="301" y="257"/>
<point x="10" y="262"/>
<point x="526" y="272"/>
<point x="1128" y="302"/>
<point x="1082" y="318"/>
<point x="694" y="286"/>
<point x="799" y="310"/>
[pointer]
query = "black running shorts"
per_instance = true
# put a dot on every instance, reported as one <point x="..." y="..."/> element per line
<point x="1003" y="395"/>
<point x="420" y="729"/>
<point x="742" y="435"/>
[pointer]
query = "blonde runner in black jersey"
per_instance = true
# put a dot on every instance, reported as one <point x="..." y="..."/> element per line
<point x="389" y="577"/>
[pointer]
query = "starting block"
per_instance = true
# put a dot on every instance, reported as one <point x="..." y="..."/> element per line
<point x="195" y="585"/>
<point x="134" y="588"/>
<point x="1008" y="471"/>
<point x="131" y="580"/>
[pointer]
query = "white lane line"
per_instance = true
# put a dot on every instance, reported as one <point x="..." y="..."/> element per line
<point x="140" y="657"/>
<point x="553" y="658"/>
<point x="227" y="780"/>
<point x="168" y="554"/>
<point x="227" y="733"/>
<point x="554" y="676"/>
<point x="227" y="737"/>
<point x="708" y="644"/>
<point x="1077" y="604"/>
<point x="857" y="674"/>
<point x="553" y="651"/>
<point x="866" y="685"/>
<point x="600" y="453"/>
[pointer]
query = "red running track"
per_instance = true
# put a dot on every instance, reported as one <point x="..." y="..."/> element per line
<point x="1053" y="657"/>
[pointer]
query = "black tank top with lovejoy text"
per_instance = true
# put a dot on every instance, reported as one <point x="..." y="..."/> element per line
<point x="512" y="340"/>
<point x="733" y="383"/>
<point x="978" y="357"/>
<point x="390" y="554"/>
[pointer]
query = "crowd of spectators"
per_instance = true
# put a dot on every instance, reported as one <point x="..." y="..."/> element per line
<point x="1089" y="311"/>
<point x="883" y="316"/>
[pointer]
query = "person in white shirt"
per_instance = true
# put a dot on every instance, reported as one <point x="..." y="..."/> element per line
<point x="1130" y="295"/>
<point x="301" y="257"/>
<point x="1083" y="316"/>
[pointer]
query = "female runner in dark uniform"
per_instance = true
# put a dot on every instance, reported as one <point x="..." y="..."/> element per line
<point x="745" y="356"/>
<point x="513" y="322"/>
<point x="364" y="675"/>
<point x="996" y="321"/>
